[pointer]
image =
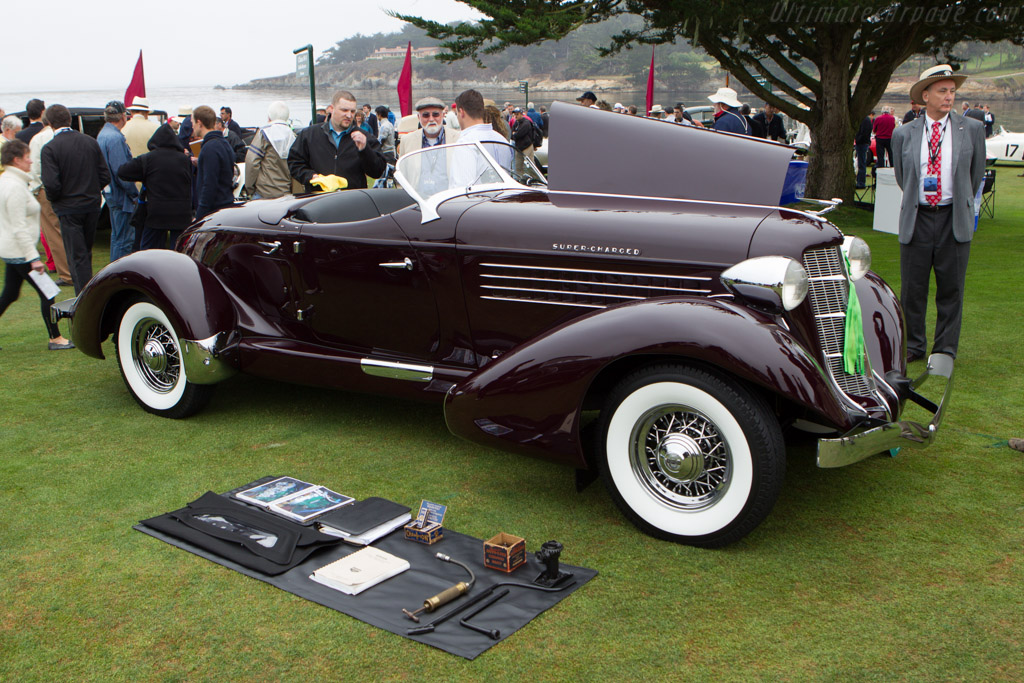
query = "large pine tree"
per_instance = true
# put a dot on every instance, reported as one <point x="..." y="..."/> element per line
<point x="825" y="63"/>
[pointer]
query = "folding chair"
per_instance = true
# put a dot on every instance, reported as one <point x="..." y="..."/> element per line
<point x="988" y="194"/>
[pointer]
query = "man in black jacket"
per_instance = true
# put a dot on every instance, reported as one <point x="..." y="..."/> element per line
<point x="336" y="147"/>
<point x="771" y="120"/>
<point x="166" y="171"/>
<point x="862" y="144"/>
<point x="215" y="170"/>
<point x="522" y="138"/>
<point x="74" y="173"/>
<point x="34" y="109"/>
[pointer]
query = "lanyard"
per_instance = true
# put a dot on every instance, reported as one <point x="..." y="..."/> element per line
<point x="933" y="154"/>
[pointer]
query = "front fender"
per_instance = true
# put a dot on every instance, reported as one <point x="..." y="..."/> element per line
<point x="195" y="301"/>
<point x="529" y="400"/>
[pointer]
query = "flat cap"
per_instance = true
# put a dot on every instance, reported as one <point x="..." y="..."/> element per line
<point x="429" y="102"/>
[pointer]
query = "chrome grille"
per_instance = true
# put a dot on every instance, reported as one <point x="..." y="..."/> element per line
<point x="581" y="287"/>
<point x="828" y="292"/>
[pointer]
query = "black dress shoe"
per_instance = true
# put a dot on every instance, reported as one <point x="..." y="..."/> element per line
<point x="913" y="356"/>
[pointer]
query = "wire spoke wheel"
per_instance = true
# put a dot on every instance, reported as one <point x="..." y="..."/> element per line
<point x="679" y="454"/>
<point x="156" y="355"/>
<point x="690" y="456"/>
<point x="149" y="355"/>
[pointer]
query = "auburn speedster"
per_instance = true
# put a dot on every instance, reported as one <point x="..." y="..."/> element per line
<point x="662" y="340"/>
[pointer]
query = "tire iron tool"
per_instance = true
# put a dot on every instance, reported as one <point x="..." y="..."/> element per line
<point x="492" y="633"/>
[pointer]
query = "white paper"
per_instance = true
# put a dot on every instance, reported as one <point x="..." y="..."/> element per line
<point x="45" y="283"/>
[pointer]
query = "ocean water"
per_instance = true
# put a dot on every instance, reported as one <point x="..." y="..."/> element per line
<point x="249" y="107"/>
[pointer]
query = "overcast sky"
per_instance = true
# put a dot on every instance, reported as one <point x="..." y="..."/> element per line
<point x="77" y="45"/>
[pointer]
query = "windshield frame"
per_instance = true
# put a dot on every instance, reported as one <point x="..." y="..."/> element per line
<point x="429" y="205"/>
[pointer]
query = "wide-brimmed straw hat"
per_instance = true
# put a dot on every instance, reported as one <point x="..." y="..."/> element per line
<point x="726" y="96"/>
<point x="657" y="109"/>
<point x="939" y="72"/>
<point x="139" y="104"/>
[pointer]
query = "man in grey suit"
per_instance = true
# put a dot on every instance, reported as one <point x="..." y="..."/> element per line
<point x="939" y="164"/>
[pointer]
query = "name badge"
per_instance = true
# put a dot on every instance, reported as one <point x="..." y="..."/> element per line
<point x="931" y="184"/>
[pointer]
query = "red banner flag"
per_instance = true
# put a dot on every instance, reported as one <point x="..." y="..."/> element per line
<point x="650" y="86"/>
<point x="405" y="83"/>
<point x="137" y="88"/>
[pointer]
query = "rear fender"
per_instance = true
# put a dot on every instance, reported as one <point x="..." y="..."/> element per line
<point x="530" y="399"/>
<point x="195" y="301"/>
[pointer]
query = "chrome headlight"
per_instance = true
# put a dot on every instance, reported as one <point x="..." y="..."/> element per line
<point x="859" y="254"/>
<point x="777" y="282"/>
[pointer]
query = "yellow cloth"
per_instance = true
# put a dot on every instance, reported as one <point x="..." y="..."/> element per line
<point x="330" y="183"/>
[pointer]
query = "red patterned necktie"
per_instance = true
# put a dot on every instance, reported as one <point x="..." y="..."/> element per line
<point x="934" y="165"/>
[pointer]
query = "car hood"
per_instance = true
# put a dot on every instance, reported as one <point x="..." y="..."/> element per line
<point x="591" y="150"/>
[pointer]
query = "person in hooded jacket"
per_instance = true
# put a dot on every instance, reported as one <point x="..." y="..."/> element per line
<point x="166" y="176"/>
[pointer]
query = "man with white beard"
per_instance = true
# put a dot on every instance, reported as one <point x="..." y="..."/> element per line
<point x="433" y="131"/>
<point x="430" y="112"/>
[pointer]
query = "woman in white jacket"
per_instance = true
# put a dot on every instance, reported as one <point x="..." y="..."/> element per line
<point x="19" y="234"/>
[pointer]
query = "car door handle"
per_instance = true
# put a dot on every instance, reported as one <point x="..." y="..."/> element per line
<point x="271" y="247"/>
<point x="406" y="263"/>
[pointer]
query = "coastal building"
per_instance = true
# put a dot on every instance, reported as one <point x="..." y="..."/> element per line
<point x="399" y="52"/>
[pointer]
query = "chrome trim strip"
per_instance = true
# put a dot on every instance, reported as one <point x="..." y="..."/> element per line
<point x="564" y="292"/>
<point x="852" y="448"/>
<point x="597" y="272"/>
<point x="594" y="283"/>
<point x="830" y="315"/>
<point x="535" y="301"/>
<point x="393" y="370"/>
<point x="835" y="278"/>
<point x="813" y="216"/>
<point x="202" y="361"/>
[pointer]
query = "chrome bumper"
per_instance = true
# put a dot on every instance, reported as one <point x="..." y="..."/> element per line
<point x="202" y="359"/>
<point x="854" y="447"/>
<point x="62" y="309"/>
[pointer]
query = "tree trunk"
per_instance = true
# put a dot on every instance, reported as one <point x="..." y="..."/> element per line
<point x="830" y="171"/>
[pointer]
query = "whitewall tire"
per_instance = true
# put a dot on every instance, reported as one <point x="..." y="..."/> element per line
<point x="689" y="456"/>
<point x="149" y="356"/>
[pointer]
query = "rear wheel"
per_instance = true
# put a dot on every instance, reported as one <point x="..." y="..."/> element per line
<point x="690" y="457"/>
<point x="149" y="355"/>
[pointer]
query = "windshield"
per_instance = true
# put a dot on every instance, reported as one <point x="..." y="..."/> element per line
<point x="431" y="171"/>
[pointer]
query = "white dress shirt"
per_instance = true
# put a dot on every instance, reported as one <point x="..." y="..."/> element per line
<point x="945" y="165"/>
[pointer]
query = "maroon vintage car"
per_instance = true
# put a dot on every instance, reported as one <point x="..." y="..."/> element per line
<point x="662" y="340"/>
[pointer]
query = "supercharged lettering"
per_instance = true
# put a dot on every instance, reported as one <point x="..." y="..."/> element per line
<point x="596" y="249"/>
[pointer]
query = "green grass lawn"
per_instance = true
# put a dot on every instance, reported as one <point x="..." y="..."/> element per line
<point x="906" y="568"/>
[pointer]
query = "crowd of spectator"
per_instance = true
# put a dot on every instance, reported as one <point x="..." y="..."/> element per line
<point x="155" y="178"/>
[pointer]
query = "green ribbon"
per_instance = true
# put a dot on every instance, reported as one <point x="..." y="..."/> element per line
<point x="853" y="337"/>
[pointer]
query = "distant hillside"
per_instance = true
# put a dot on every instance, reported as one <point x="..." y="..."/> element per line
<point x="573" y="63"/>
<point x="568" y="64"/>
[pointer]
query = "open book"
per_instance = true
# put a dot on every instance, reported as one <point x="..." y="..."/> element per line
<point x="294" y="499"/>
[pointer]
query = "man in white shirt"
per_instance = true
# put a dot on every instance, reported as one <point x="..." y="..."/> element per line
<point x="939" y="161"/>
<point x="470" y="169"/>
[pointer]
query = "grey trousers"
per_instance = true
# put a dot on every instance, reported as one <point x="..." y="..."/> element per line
<point x="933" y="247"/>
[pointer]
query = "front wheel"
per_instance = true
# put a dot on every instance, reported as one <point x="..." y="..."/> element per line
<point x="690" y="457"/>
<point x="149" y="355"/>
